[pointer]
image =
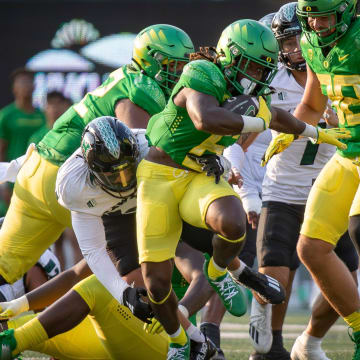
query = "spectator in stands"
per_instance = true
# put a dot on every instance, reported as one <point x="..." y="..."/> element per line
<point x="18" y="120"/>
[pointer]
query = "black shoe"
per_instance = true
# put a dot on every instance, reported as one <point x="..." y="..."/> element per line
<point x="268" y="288"/>
<point x="202" y="350"/>
<point x="219" y="355"/>
<point x="281" y="354"/>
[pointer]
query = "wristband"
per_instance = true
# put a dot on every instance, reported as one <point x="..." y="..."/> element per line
<point x="252" y="124"/>
<point x="310" y="131"/>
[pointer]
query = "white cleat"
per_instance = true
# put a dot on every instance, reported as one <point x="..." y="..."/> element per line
<point x="301" y="351"/>
<point x="260" y="327"/>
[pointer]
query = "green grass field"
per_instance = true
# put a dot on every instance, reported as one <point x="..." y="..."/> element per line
<point x="337" y="343"/>
<point x="236" y="344"/>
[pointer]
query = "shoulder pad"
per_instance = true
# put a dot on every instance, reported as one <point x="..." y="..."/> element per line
<point x="206" y="77"/>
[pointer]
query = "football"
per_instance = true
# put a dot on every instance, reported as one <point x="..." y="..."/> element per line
<point x="242" y="105"/>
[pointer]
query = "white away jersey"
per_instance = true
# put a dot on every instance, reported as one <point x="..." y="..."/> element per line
<point x="77" y="192"/>
<point x="290" y="174"/>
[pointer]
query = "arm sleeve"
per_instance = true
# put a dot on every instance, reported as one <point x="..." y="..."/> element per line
<point x="90" y="233"/>
<point x="235" y="155"/>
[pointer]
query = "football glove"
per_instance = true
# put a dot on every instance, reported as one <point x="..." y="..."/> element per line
<point x="141" y="309"/>
<point x="277" y="145"/>
<point x="154" y="327"/>
<point x="264" y="112"/>
<point x="331" y="136"/>
<point x="213" y="165"/>
<point x="13" y="308"/>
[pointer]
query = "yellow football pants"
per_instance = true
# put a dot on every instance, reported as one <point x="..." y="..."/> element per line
<point x="34" y="220"/>
<point x="334" y="197"/>
<point x="165" y="197"/>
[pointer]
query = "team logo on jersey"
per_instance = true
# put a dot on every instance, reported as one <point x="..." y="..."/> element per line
<point x="91" y="203"/>
<point x="326" y="64"/>
<point x="342" y="58"/>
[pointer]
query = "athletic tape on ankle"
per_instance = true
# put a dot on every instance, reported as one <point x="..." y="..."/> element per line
<point x="161" y="301"/>
<point x="232" y="241"/>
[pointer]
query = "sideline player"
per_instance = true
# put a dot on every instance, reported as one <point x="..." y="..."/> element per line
<point x="192" y="129"/>
<point x="287" y="183"/>
<point x="133" y="92"/>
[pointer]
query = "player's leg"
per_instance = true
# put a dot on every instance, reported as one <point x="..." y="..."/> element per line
<point x="79" y="343"/>
<point x="278" y="232"/>
<point x="308" y="345"/>
<point x="34" y="219"/>
<point x="158" y="231"/>
<point x="337" y="185"/>
<point x="209" y="205"/>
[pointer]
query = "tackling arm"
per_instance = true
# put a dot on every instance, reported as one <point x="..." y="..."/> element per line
<point x="131" y="115"/>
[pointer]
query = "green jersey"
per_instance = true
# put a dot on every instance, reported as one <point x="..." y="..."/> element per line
<point x="16" y="127"/>
<point x="37" y="136"/>
<point x="339" y="76"/>
<point x="173" y="131"/>
<point x="124" y="83"/>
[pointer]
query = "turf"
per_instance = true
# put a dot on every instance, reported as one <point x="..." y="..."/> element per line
<point x="337" y="343"/>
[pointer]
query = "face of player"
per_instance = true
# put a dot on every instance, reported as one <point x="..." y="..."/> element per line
<point x="23" y="86"/>
<point x="291" y="48"/>
<point x="322" y="25"/>
<point x="253" y="70"/>
<point x="174" y="68"/>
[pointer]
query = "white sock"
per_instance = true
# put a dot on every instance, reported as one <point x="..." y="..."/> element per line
<point x="176" y="333"/>
<point x="183" y="310"/>
<point x="310" y="341"/>
<point x="236" y="273"/>
<point x="195" y="334"/>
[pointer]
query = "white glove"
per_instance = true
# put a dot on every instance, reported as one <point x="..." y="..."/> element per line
<point x="13" y="308"/>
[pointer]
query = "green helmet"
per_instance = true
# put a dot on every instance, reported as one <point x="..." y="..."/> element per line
<point x="344" y="11"/>
<point x="156" y="47"/>
<point x="242" y="42"/>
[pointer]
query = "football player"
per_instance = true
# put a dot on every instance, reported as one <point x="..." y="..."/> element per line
<point x="329" y="46"/>
<point x="186" y="138"/>
<point x="287" y="183"/>
<point x="134" y="92"/>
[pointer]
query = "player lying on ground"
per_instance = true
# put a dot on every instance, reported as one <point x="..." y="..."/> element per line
<point x="191" y="130"/>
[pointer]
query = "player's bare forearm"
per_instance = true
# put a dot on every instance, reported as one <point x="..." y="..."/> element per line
<point x="52" y="290"/>
<point x="207" y="115"/>
<point x="284" y="122"/>
<point x="306" y="114"/>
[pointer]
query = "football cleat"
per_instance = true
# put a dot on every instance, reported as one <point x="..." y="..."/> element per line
<point x="272" y="355"/>
<point x="229" y="291"/>
<point x="7" y="344"/>
<point x="301" y="351"/>
<point x="178" y="352"/>
<point x="268" y="288"/>
<point x="202" y="350"/>
<point x="260" y="327"/>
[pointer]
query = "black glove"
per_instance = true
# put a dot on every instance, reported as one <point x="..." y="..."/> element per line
<point x="210" y="164"/>
<point x="141" y="309"/>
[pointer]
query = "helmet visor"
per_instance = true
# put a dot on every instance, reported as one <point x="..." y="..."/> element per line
<point x="120" y="178"/>
<point x="291" y="50"/>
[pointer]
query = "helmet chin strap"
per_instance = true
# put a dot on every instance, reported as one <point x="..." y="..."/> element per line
<point x="247" y="85"/>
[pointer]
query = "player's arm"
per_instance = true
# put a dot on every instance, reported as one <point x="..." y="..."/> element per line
<point x="47" y="293"/>
<point x="313" y="103"/>
<point x="207" y="115"/>
<point x="131" y="115"/>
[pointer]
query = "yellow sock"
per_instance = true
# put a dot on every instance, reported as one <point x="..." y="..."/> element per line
<point x="30" y="334"/>
<point x="353" y="320"/>
<point x="181" y="338"/>
<point x="215" y="271"/>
